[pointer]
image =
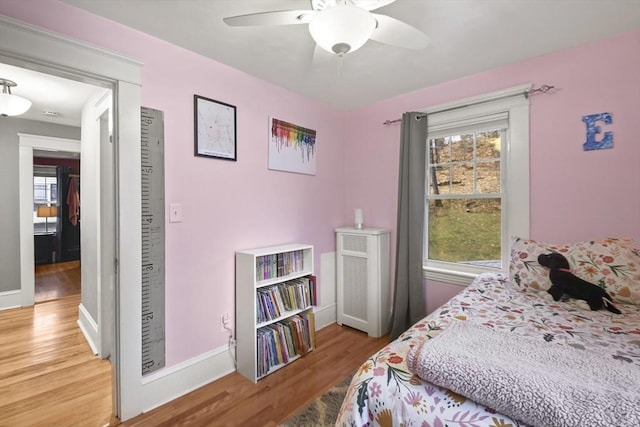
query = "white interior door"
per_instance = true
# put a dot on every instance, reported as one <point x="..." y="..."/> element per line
<point x="106" y="295"/>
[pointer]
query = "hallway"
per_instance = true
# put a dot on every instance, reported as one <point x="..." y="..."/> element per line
<point x="54" y="281"/>
<point x="48" y="374"/>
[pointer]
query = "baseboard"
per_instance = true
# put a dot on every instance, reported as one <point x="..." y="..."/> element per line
<point x="325" y="316"/>
<point x="10" y="299"/>
<point x="89" y="328"/>
<point x="170" y="383"/>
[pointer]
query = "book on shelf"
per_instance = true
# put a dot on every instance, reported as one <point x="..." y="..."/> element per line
<point x="274" y="301"/>
<point x="313" y="285"/>
<point x="279" y="342"/>
<point x="279" y="265"/>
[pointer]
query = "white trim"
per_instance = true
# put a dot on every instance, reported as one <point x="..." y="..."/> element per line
<point x="49" y="143"/>
<point x="170" y="383"/>
<point x="129" y="250"/>
<point x="89" y="328"/>
<point x="484" y="101"/>
<point x="10" y="299"/>
<point x="325" y="316"/>
<point x="63" y="53"/>
<point x="448" y="276"/>
<point x="25" y="209"/>
<point x="518" y="184"/>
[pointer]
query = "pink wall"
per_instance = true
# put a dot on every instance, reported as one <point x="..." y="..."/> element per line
<point x="227" y="205"/>
<point x="235" y="205"/>
<point x="437" y="293"/>
<point x="575" y="195"/>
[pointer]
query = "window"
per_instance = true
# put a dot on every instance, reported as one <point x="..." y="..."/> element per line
<point x="477" y="185"/>
<point x="45" y="194"/>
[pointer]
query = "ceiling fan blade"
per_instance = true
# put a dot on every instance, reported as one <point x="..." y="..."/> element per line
<point x="397" y="33"/>
<point x="372" y="4"/>
<point x="280" y="17"/>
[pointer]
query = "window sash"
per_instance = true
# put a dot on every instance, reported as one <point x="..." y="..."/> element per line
<point x="476" y="124"/>
<point x="477" y="128"/>
<point x="467" y="266"/>
<point x="464" y="196"/>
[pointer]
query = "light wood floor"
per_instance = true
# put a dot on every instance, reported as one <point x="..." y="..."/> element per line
<point x="48" y="374"/>
<point x="235" y="401"/>
<point x="49" y="377"/>
<point x="59" y="280"/>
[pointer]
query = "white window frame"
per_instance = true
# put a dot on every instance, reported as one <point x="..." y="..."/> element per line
<point x="516" y="217"/>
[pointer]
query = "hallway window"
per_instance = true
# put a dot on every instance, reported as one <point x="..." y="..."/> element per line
<point x="45" y="195"/>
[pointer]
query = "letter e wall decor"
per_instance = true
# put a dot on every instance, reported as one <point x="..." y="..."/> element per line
<point x="593" y="129"/>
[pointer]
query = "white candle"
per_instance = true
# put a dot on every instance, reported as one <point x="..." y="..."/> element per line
<point x="359" y="219"/>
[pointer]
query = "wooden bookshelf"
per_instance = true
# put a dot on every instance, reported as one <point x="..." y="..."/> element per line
<point x="275" y="295"/>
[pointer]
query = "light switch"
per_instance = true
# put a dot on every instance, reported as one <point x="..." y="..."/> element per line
<point x="175" y="212"/>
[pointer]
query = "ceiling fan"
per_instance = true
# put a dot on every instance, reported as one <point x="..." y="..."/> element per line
<point x="342" y="26"/>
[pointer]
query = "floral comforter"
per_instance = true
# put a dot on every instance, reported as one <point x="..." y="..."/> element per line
<point x="384" y="393"/>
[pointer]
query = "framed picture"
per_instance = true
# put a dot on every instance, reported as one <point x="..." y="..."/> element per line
<point x="214" y="128"/>
<point x="292" y="148"/>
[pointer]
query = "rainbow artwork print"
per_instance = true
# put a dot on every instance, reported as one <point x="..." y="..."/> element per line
<point x="292" y="148"/>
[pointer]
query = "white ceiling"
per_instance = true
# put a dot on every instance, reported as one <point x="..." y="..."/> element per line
<point x="468" y="36"/>
<point x="49" y="94"/>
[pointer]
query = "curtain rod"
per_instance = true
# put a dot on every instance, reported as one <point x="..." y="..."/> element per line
<point x="542" y="89"/>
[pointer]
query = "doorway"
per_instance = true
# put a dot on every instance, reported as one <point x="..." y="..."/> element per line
<point x="30" y="47"/>
<point x="56" y="216"/>
<point x="94" y="308"/>
<point x="28" y="144"/>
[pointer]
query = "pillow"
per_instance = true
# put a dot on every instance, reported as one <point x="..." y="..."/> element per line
<point x="613" y="264"/>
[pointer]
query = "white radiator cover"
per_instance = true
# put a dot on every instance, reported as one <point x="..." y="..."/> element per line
<point x="363" y="291"/>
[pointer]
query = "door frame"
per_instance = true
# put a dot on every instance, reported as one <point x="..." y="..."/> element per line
<point x="27" y="46"/>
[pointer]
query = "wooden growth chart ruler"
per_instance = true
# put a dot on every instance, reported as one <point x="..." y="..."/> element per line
<point x="153" y="314"/>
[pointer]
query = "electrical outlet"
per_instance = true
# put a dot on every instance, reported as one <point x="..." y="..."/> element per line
<point x="225" y="321"/>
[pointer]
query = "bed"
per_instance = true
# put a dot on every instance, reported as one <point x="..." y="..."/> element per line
<point x="513" y="322"/>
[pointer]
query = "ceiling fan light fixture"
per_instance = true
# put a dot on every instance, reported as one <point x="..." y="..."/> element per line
<point x="343" y="28"/>
<point x="10" y="104"/>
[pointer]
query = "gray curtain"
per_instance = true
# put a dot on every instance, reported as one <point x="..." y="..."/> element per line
<point x="408" y="305"/>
